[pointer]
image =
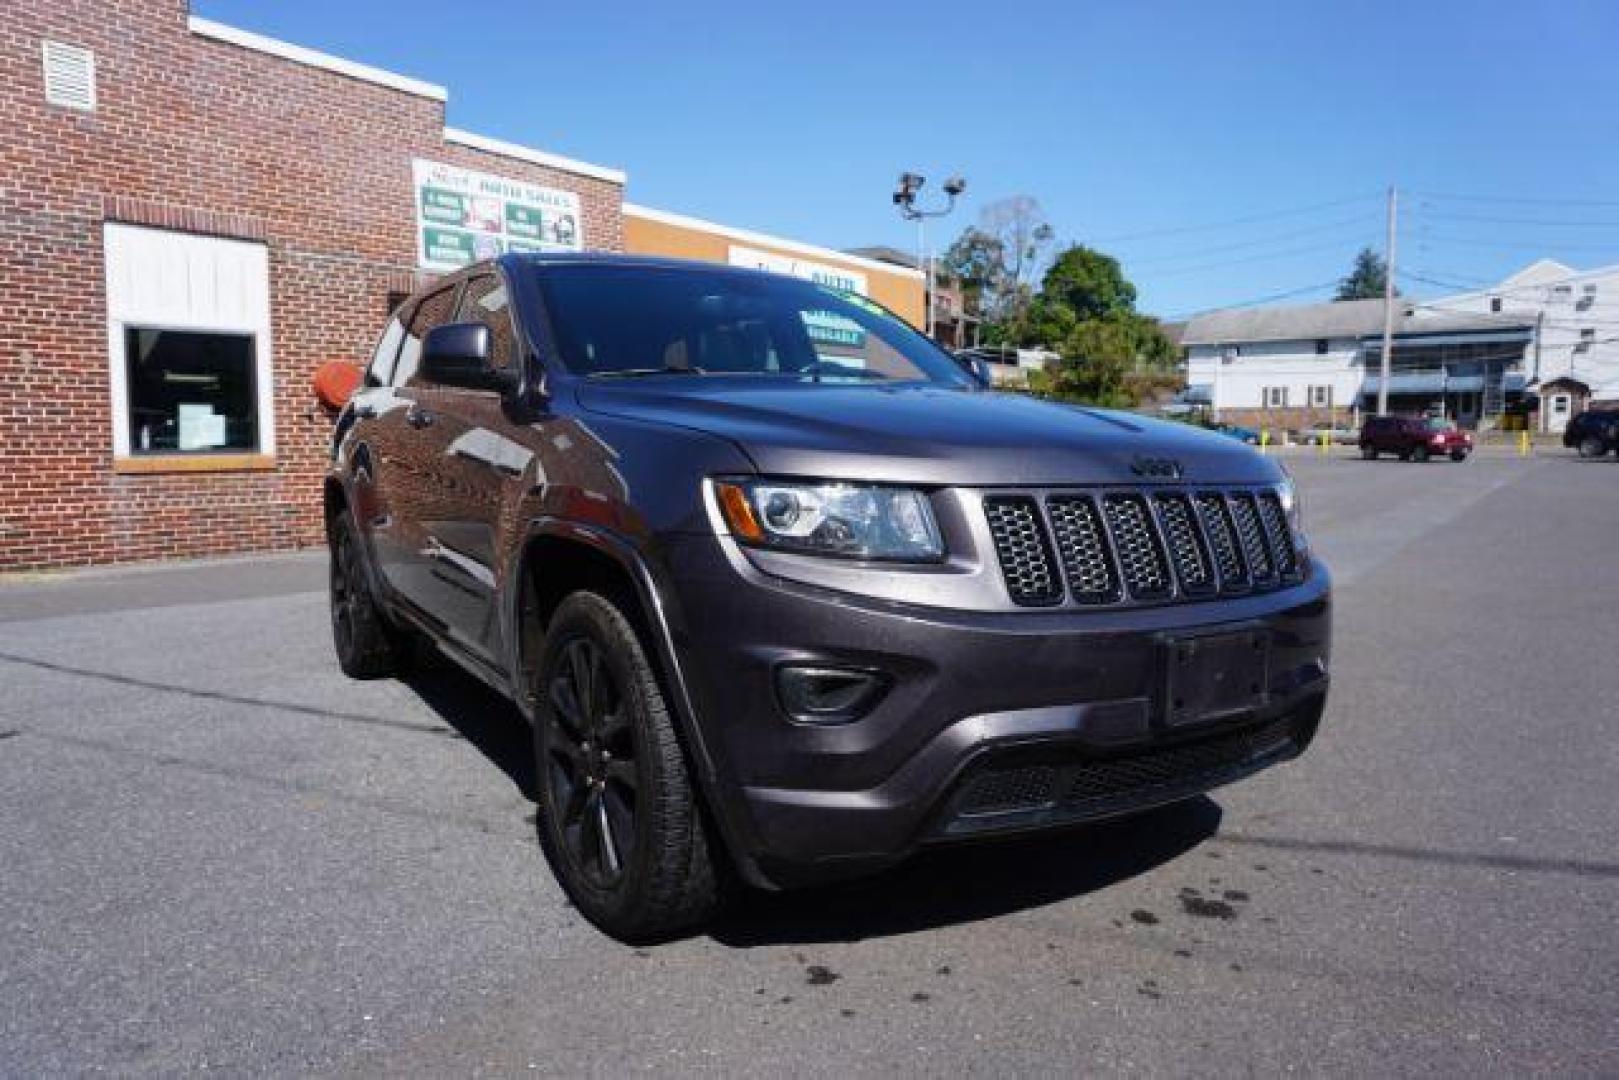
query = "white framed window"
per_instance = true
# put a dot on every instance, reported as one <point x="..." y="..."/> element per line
<point x="188" y="344"/>
<point x="1587" y="338"/>
<point x="1321" y="397"/>
<point x="1275" y="397"/>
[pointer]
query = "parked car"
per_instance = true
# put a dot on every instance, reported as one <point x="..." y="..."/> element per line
<point x="1593" y="433"/>
<point x="1337" y="434"/>
<point x="1241" y="434"/>
<point x="786" y="593"/>
<point x="1413" y="438"/>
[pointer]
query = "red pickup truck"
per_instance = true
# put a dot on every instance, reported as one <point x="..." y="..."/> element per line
<point x="1413" y="438"/>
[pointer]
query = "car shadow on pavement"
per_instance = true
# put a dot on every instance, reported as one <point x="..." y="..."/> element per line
<point x="940" y="887"/>
<point x="974" y="881"/>
<point x="484" y="718"/>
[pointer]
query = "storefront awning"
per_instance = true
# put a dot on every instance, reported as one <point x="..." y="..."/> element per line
<point x="1426" y="382"/>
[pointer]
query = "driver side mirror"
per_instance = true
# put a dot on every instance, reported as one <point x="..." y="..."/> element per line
<point x="976" y="367"/>
<point x="458" y="354"/>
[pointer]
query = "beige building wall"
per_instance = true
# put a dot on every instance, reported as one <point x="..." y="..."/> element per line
<point x="656" y="232"/>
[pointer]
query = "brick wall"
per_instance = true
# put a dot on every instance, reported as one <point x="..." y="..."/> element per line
<point x="1289" y="419"/>
<point x="204" y="136"/>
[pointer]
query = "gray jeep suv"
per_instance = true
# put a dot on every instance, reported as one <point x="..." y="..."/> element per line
<point x="787" y="594"/>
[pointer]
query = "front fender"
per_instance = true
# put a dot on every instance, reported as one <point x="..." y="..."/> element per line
<point x="658" y="603"/>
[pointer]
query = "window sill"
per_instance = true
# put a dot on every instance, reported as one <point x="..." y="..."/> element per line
<point x="192" y="463"/>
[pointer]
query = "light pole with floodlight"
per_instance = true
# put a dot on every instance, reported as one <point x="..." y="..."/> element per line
<point x="905" y="192"/>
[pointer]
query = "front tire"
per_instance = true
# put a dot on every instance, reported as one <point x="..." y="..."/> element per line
<point x="619" y="815"/>
<point x="1419" y="454"/>
<point x="1592" y="447"/>
<point x="1458" y="455"/>
<point x="367" y="647"/>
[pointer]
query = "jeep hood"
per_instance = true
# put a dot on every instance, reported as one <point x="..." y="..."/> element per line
<point x="924" y="434"/>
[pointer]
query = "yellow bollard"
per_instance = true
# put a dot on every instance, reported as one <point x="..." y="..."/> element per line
<point x="1264" y="439"/>
<point x="1324" y="442"/>
<point x="1523" y="443"/>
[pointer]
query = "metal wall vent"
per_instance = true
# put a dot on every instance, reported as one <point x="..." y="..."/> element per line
<point x="70" y="76"/>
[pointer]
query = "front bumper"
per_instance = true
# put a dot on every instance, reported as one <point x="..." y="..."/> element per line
<point x="994" y="722"/>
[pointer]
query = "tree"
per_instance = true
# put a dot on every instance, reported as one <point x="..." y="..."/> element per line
<point x="1089" y="283"/>
<point x="1367" y="278"/>
<point x="977" y="260"/>
<point x="1086" y="312"/>
<point x="997" y="259"/>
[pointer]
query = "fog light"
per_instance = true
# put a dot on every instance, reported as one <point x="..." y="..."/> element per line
<point x="818" y="695"/>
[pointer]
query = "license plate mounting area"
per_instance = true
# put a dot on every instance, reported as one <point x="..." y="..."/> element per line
<point x="1209" y="677"/>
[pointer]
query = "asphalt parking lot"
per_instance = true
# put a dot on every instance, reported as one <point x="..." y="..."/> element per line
<point x="217" y="852"/>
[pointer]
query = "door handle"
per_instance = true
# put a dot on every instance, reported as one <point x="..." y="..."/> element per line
<point x="365" y="412"/>
<point x="418" y="417"/>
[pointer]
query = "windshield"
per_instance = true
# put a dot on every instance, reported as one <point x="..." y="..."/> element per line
<point x="620" y="321"/>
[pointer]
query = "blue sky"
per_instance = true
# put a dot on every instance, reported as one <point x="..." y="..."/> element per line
<point x="1142" y="128"/>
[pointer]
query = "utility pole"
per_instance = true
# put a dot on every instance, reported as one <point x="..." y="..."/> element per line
<point x="1388" y="307"/>
<point x="922" y="265"/>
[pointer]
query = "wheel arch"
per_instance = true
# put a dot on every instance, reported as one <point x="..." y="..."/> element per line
<point x="606" y="559"/>
<point x="559" y="557"/>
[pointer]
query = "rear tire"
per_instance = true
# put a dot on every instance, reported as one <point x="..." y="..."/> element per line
<point x="620" y="817"/>
<point x="1419" y="454"/>
<point x="367" y="647"/>
<point x="1368" y="453"/>
<point x="1592" y="447"/>
<point x="1458" y="455"/>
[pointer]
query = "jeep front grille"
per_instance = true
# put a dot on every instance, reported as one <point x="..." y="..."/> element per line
<point x="1139" y="547"/>
<point x="1082" y="546"/>
<point x="1252" y="537"/>
<point x="1024" y="551"/>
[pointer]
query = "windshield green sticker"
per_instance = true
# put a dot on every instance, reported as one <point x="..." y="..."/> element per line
<point x="856" y="300"/>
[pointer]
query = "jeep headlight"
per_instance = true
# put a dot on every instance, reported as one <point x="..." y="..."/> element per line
<point x="1288" y="496"/>
<point x="868" y="521"/>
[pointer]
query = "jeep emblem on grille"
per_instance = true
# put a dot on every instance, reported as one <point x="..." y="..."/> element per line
<point x="1156" y="468"/>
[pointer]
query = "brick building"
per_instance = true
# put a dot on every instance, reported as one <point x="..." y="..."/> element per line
<point x="194" y="218"/>
<point x="191" y="211"/>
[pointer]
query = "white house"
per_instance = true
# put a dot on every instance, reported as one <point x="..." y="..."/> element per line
<point x="1542" y="344"/>
<point x="1296" y="366"/>
<point x="1574" y="358"/>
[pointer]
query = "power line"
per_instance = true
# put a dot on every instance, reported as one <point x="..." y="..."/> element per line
<point x="1491" y="219"/>
<point x="1480" y="285"/>
<point x="1229" y="222"/>
<point x="1508" y="320"/>
<point x="1257" y="302"/>
<point x="1429" y="279"/>
<point x="1539" y="245"/>
<point x="1521" y="200"/>
<point x="1261" y="242"/>
<point x="1335" y="245"/>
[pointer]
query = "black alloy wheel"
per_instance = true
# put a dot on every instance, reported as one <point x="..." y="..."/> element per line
<point x="344" y="593"/>
<point x="592" y="786"/>
<point x="620" y="816"/>
<point x="367" y="646"/>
